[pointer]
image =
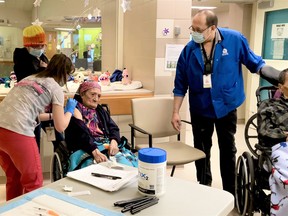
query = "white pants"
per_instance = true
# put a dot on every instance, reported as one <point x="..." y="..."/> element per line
<point x="278" y="180"/>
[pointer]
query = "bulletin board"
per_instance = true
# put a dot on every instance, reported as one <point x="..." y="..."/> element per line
<point x="275" y="41"/>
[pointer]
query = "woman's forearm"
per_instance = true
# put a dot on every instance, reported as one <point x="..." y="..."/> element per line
<point x="45" y="116"/>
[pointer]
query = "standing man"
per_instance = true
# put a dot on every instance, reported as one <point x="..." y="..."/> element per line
<point x="210" y="66"/>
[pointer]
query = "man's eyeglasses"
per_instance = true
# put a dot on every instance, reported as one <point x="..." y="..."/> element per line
<point x="199" y="30"/>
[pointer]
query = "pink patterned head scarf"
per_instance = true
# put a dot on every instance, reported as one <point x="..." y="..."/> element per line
<point x="88" y="85"/>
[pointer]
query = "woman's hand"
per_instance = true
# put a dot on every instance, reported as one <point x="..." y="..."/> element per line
<point x="43" y="64"/>
<point x="70" y="106"/>
<point x="98" y="156"/>
<point x="113" y="148"/>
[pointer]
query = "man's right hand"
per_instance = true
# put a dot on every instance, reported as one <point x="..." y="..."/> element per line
<point x="176" y="121"/>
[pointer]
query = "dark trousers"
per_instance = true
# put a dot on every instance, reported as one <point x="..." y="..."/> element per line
<point x="37" y="132"/>
<point x="203" y="129"/>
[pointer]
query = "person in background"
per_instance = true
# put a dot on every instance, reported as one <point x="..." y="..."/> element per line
<point x="87" y="53"/>
<point x="272" y="121"/>
<point x="31" y="58"/>
<point x="74" y="56"/>
<point x="19" y="156"/>
<point x="89" y="56"/>
<point x="210" y="67"/>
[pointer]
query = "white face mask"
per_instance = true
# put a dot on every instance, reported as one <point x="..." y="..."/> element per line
<point x="36" y="52"/>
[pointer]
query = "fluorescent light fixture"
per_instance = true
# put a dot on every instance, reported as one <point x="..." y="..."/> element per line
<point x="63" y="29"/>
<point x="2" y="1"/>
<point x="203" y="7"/>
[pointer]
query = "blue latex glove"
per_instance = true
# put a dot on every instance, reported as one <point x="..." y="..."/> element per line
<point x="70" y="106"/>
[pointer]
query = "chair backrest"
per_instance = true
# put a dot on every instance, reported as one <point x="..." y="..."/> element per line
<point x="153" y="114"/>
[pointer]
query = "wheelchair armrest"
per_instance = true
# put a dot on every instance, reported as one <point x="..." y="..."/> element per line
<point x="133" y="128"/>
<point x="265" y="149"/>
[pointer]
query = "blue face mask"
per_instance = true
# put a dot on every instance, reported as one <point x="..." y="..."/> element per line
<point x="36" y="52"/>
<point x="198" y="37"/>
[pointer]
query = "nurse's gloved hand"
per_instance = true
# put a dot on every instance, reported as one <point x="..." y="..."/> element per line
<point x="70" y="106"/>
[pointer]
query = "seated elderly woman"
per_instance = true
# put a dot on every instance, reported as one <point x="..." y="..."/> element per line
<point x="272" y="119"/>
<point x="92" y="129"/>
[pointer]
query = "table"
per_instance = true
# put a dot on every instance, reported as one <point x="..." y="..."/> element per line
<point x="181" y="198"/>
<point x="119" y="101"/>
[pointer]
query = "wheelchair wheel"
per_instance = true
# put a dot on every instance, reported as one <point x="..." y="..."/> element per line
<point x="251" y="135"/>
<point x="244" y="184"/>
<point x="56" y="171"/>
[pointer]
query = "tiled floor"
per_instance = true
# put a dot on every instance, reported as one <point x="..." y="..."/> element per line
<point x="188" y="171"/>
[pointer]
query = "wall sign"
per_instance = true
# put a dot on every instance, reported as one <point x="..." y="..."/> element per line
<point x="275" y="42"/>
<point x="171" y="56"/>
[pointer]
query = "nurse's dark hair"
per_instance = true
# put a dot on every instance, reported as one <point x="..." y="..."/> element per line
<point x="211" y="18"/>
<point x="58" y="68"/>
<point x="282" y="76"/>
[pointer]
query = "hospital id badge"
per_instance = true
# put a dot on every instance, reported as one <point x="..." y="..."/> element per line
<point x="50" y="133"/>
<point x="207" y="82"/>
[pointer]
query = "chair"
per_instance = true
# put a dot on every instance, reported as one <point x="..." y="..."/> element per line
<point x="151" y="117"/>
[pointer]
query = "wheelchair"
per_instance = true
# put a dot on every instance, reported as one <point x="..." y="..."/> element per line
<point x="252" y="191"/>
<point x="60" y="163"/>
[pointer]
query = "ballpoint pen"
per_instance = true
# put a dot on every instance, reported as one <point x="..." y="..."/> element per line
<point x="131" y="206"/>
<point x="144" y="202"/>
<point x="140" y="208"/>
<point x="123" y="203"/>
<point x="105" y="176"/>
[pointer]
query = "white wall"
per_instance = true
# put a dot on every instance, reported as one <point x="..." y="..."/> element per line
<point x="222" y="19"/>
<point x="12" y="38"/>
<point x="16" y="17"/>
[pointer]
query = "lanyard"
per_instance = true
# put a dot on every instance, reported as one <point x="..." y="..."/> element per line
<point x="208" y="62"/>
